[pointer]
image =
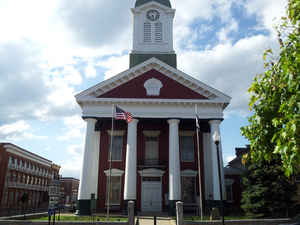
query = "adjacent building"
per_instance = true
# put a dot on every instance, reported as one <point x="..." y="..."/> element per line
<point x="154" y="158"/>
<point x="24" y="178"/>
<point x="70" y="187"/>
<point x="233" y="177"/>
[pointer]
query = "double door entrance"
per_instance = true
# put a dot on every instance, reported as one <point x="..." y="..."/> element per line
<point x="151" y="195"/>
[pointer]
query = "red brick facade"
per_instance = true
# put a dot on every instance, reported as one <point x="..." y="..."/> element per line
<point x="70" y="186"/>
<point x="21" y="175"/>
<point x="144" y="125"/>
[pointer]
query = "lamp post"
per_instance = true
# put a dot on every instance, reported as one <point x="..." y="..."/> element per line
<point x="216" y="139"/>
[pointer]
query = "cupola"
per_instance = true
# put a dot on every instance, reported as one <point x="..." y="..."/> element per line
<point x="153" y="32"/>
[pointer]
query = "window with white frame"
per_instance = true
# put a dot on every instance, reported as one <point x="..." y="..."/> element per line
<point x="187" y="148"/>
<point x="116" y="150"/>
<point x="114" y="186"/>
<point x="188" y="189"/>
<point x="115" y="190"/>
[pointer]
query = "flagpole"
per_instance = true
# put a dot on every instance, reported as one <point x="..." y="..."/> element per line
<point x="110" y="159"/>
<point x="199" y="164"/>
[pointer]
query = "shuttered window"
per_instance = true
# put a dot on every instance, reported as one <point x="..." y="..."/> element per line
<point x="158" y="32"/>
<point x="147" y="32"/>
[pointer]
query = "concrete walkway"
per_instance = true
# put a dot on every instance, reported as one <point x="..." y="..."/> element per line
<point x="159" y="221"/>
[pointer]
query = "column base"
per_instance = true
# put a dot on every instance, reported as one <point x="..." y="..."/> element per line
<point x="172" y="207"/>
<point x="83" y="208"/>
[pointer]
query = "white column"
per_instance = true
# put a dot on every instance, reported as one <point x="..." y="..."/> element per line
<point x="208" y="166"/>
<point x="130" y="168"/>
<point x="89" y="173"/>
<point x="174" y="161"/>
<point x="215" y="126"/>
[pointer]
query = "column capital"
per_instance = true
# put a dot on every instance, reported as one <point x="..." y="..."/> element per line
<point x="134" y="121"/>
<point x="172" y="121"/>
<point x="92" y="120"/>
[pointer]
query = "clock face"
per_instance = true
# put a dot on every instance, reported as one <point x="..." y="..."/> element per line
<point x="153" y="15"/>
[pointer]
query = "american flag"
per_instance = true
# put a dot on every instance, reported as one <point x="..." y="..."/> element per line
<point x="123" y="115"/>
<point x="197" y="122"/>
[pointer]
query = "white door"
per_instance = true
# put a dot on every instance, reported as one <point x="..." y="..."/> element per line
<point x="151" y="196"/>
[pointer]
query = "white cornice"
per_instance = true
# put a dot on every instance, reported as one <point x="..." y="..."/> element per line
<point x="151" y="133"/>
<point x="151" y="173"/>
<point x="92" y="100"/>
<point x="153" y="63"/>
<point x="27" y="155"/>
<point x="114" y="172"/>
<point x="116" y="132"/>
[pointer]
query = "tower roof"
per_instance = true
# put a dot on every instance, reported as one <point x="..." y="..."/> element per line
<point x="163" y="2"/>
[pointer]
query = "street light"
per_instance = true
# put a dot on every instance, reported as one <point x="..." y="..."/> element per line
<point x="217" y="139"/>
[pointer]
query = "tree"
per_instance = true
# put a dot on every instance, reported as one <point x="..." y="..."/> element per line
<point x="267" y="191"/>
<point x="274" y="127"/>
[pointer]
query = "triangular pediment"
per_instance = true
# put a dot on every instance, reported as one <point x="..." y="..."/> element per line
<point x="174" y="84"/>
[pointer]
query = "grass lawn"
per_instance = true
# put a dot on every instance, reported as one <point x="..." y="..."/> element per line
<point x="198" y="218"/>
<point x="71" y="218"/>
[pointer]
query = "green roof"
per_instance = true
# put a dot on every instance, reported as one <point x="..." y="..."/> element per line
<point x="163" y="2"/>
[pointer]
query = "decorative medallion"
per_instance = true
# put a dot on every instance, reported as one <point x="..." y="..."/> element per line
<point x="153" y="87"/>
<point x="153" y="15"/>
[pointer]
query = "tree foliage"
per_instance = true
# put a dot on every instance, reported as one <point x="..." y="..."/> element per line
<point x="267" y="191"/>
<point x="274" y="127"/>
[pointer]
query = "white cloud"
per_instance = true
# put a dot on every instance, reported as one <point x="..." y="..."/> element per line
<point x="17" y="131"/>
<point x="90" y="71"/>
<point x="114" y="65"/>
<point x="74" y="127"/>
<point x="72" y="165"/>
<point x="19" y="126"/>
<point x="229" y="67"/>
<point x="268" y="12"/>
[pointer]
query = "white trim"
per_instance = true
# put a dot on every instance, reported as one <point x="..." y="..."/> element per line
<point x="189" y="173"/>
<point x="151" y="173"/>
<point x="114" y="172"/>
<point x="116" y="132"/>
<point x="27" y="155"/>
<point x="160" y="66"/>
<point x="151" y="133"/>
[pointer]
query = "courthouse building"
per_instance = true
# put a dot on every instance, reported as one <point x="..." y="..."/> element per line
<point x="154" y="157"/>
<point x="23" y="173"/>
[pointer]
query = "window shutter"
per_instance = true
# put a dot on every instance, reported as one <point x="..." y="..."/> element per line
<point x="147" y="32"/>
<point x="158" y="32"/>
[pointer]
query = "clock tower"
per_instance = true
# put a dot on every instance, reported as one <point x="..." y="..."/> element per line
<point x="153" y="32"/>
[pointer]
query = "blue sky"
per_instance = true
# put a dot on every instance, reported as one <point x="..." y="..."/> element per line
<point x="50" y="50"/>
